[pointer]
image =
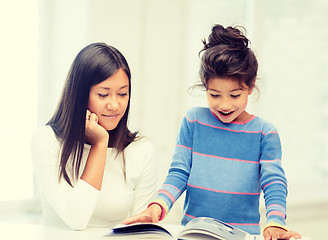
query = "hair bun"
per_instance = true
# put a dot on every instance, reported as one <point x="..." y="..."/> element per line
<point x="233" y="37"/>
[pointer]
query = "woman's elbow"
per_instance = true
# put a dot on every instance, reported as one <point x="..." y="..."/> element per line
<point x="77" y="225"/>
<point x="75" y="221"/>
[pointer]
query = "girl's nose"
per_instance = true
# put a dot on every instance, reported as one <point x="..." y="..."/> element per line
<point x="225" y="105"/>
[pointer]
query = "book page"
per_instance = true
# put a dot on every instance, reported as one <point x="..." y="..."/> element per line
<point x="213" y="229"/>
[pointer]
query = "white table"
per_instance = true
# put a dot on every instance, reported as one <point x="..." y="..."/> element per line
<point x="13" y="231"/>
<point x="16" y="231"/>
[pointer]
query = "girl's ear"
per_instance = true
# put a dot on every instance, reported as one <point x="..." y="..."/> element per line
<point x="250" y="89"/>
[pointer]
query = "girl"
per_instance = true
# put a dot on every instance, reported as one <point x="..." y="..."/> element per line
<point x="224" y="155"/>
<point x="91" y="169"/>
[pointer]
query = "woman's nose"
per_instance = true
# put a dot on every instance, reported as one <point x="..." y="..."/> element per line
<point x="112" y="104"/>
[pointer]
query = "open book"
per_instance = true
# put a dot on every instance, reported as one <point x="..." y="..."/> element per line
<point x="198" y="228"/>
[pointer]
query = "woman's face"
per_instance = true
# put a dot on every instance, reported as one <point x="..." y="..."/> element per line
<point x="109" y="99"/>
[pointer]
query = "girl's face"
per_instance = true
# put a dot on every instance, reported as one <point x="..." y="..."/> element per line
<point x="109" y="99"/>
<point x="228" y="100"/>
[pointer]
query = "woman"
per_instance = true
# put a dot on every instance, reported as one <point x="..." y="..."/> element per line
<point x="91" y="169"/>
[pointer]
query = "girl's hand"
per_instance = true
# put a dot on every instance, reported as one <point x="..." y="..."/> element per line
<point x="275" y="233"/>
<point x="151" y="214"/>
<point x="94" y="133"/>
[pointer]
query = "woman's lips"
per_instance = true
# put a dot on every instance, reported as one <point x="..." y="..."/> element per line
<point x="113" y="116"/>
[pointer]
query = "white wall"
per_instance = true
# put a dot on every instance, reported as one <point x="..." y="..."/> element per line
<point x="18" y="101"/>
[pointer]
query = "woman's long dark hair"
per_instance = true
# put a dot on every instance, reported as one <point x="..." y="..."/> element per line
<point x="93" y="64"/>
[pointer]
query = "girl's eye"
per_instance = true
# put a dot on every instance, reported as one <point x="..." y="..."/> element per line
<point x="123" y="94"/>
<point x="235" y="96"/>
<point x="102" y="95"/>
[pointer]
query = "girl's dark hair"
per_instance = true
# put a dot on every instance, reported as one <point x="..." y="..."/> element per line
<point x="92" y="65"/>
<point x="226" y="54"/>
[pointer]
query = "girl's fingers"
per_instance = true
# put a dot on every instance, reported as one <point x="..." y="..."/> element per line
<point x="290" y="234"/>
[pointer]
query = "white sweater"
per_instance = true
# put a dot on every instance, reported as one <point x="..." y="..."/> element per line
<point x="84" y="205"/>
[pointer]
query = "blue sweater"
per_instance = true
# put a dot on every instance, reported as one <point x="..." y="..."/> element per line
<point x="224" y="167"/>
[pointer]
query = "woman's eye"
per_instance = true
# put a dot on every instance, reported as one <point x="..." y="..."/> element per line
<point x="102" y="95"/>
<point x="235" y="96"/>
<point x="123" y="94"/>
<point x="215" y="95"/>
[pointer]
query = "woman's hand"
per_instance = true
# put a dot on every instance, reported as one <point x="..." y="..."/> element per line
<point x="98" y="137"/>
<point x="94" y="133"/>
<point x="275" y="233"/>
<point x="151" y="214"/>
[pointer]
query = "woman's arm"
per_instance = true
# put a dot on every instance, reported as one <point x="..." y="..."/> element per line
<point x="74" y="205"/>
<point x="98" y="137"/>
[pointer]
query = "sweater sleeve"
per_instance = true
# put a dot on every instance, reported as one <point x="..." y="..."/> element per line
<point x="176" y="181"/>
<point x="273" y="180"/>
<point x="74" y="205"/>
<point x="146" y="186"/>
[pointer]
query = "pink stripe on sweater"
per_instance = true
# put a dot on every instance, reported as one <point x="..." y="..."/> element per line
<point x="273" y="183"/>
<point x="167" y="194"/>
<point x="184" y="146"/>
<point x="227" y="129"/>
<point x="220" y="191"/>
<point x="189" y="215"/>
<point x="276" y="213"/>
<point x="230" y="159"/>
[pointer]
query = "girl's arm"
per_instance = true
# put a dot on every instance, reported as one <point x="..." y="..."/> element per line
<point x="273" y="180"/>
<point x="175" y="182"/>
<point x="146" y="186"/>
<point x="274" y="186"/>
